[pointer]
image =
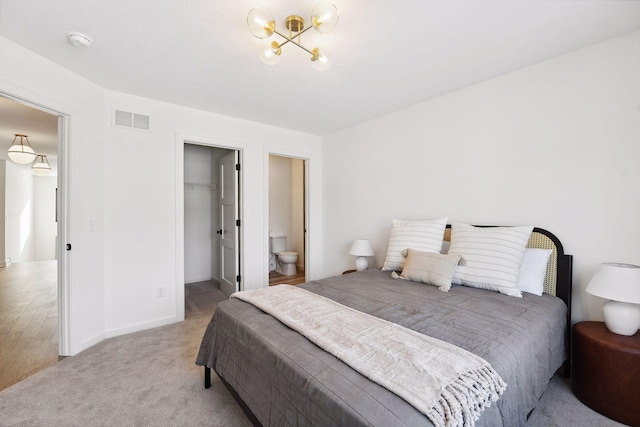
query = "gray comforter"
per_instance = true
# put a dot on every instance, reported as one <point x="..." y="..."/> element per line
<point x="287" y="380"/>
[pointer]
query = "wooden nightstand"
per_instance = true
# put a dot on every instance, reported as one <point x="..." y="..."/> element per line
<point x="606" y="371"/>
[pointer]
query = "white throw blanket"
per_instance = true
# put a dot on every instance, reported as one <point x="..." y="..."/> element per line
<point x="446" y="383"/>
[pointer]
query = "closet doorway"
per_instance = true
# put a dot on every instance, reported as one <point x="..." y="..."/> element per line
<point x="287" y="220"/>
<point x="211" y="218"/>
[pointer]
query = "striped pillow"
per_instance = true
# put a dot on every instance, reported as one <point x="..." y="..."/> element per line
<point x="491" y="257"/>
<point x="425" y="236"/>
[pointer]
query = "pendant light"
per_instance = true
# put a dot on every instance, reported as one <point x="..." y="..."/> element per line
<point x="20" y="151"/>
<point x="40" y="166"/>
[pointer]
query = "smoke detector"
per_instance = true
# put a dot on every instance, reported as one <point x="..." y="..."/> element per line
<point x="79" y="40"/>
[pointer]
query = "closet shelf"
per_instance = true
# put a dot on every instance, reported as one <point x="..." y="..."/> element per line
<point x="199" y="186"/>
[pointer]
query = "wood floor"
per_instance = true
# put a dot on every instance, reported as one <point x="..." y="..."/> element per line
<point x="277" y="278"/>
<point x="28" y="320"/>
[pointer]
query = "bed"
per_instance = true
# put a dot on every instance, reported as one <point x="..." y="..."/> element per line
<point x="281" y="378"/>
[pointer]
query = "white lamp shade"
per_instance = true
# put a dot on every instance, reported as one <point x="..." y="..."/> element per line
<point x="41" y="166"/>
<point x="361" y="247"/>
<point x="20" y="151"/>
<point x="620" y="284"/>
<point x="617" y="282"/>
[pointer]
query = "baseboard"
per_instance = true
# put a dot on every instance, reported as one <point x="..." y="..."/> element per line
<point x="197" y="279"/>
<point x="5" y="263"/>
<point x="140" y="326"/>
<point x="88" y="343"/>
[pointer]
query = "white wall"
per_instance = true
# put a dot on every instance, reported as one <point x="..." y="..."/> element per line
<point x="38" y="80"/>
<point x="19" y="224"/>
<point x="297" y="209"/>
<point x="198" y="220"/>
<point x="29" y="204"/>
<point x="44" y="217"/>
<point x="280" y="197"/>
<point x="144" y="210"/>
<point x="4" y="261"/>
<point x="133" y="199"/>
<point x="556" y="145"/>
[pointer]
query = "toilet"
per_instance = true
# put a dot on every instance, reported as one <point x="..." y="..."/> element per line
<point x="281" y="260"/>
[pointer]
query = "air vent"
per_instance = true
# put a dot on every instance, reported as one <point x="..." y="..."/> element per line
<point x="126" y="119"/>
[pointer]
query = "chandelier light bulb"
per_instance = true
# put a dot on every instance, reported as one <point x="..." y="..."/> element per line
<point x="320" y="60"/>
<point x="261" y="23"/>
<point x="324" y="17"/>
<point x="270" y="56"/>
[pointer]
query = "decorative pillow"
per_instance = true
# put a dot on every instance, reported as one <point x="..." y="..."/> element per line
<point x="432" y="269"/>
<point x="423" y="236"/>
<point x="491" y="256"/>
<point x="533" y="270"/>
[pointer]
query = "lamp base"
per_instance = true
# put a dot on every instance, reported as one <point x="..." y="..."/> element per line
<point x="361" y="263"/>
<point x="621" y="318"/>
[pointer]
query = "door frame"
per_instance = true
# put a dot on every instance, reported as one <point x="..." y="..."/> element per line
<point x="181" y="140"/>
<point x="63" y="112"/>
<point x="307" y="239"/>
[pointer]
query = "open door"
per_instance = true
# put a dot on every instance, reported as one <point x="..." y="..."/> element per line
<point x="229" y="224"/>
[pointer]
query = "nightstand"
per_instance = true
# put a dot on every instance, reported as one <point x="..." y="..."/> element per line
<point x="606" y="371"/>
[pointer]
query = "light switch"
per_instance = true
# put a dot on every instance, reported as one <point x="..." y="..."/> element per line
<point x="92" y="225"/>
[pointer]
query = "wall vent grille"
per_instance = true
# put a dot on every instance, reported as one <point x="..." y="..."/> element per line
<point x="126" y="119"/>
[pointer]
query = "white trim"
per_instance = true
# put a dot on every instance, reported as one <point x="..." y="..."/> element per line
<point x="64" y="112"/>
<point x="142" y="326"/>
<point x="197" y="279"/>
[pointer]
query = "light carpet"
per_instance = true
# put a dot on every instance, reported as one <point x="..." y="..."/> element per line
<point x="150" y="378"/>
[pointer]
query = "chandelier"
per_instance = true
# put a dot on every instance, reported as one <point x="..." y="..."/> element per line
<point x="324" y="18"/>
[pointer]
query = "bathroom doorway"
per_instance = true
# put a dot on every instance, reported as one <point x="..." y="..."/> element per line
<point x="287" y="220"/>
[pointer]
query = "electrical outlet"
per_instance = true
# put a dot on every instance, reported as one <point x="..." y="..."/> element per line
<point x="160" y="291"/>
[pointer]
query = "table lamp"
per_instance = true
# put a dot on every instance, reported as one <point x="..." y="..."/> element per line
<point x="361" y="248"/>
<point x="620" y="284"/>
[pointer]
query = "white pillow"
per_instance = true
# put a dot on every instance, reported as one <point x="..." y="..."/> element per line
<point x="425" y="236"/>
<point x="533" y="270"/>
<point x="491" y="256"/>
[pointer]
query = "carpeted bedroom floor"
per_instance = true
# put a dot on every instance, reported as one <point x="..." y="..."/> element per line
<point x="149" y="379"/>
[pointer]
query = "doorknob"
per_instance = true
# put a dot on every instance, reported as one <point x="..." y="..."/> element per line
<point x="219" y="232"/>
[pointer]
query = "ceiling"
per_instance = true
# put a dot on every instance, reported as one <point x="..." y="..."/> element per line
<point x="386" y="55"/>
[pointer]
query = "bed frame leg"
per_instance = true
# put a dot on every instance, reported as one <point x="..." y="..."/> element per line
<point x="207" y="377"/>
